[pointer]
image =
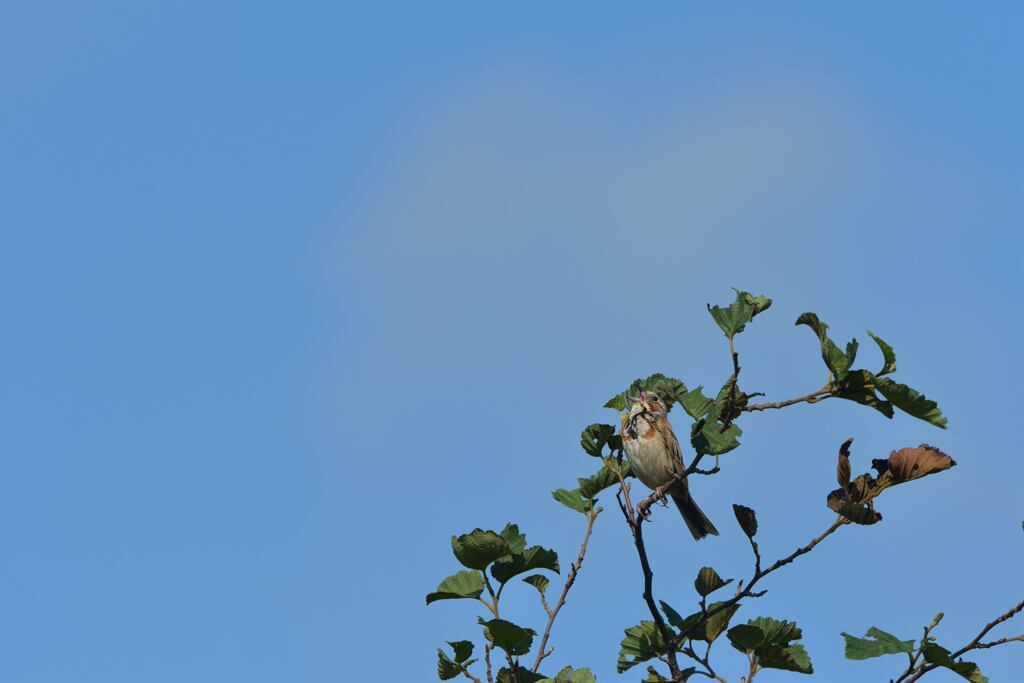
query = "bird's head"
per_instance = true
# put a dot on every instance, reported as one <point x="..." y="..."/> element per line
<point x="647" y="402"/>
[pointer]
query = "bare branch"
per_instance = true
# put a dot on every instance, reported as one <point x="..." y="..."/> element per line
<point x="813" y="397"/>
<point x="921" y="669"/>
<point x="569" y="580"/>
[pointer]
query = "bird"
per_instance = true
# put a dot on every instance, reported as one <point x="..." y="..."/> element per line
<point x="654" y="456"/>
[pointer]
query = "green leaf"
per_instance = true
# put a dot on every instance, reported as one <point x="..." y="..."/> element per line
<point x="463" y="650"/>
<point x="573" y="499"/>
<point x="595" y="437"/>
<point x="745" y="637"/>
<point x="516" y="541"/>
<point x="570" y="675"/>
<point x="523" y="675"/>
<point x="479" y="548"/>
<point x="708" y="581"/>
<point x="654" y="677"/>
<point x="718" y="622"/>
<point x="602" y="479"/>
<point x="446" y="668"/>
<point x="642" y="642"/>
<point x="515" y="640"/>
<point x="859" y="386"/>
<point x="538" y="581"/>
<point x="669" y="389"/>
<point x="747" y="519"/>
<point x="880" y="643"/>
<point x="936" y="654"/>
<point x="888" y="356"/>
<point x="758" y="304"/>
<point x="911" y="402"/>
<point x="469" y="585"/>
<point x="734" y="318"/>
<point x="695" y="403"/>
<point x="534" y="557"/>
<point x="770" y="641"/>
<point x="707" y="440"/>
<point x="836" y="361"/>
<point x="792" y="658"/>
<point x="778" y="631"/>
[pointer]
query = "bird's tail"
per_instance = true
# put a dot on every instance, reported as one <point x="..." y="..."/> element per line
<point x="696" y="521"/>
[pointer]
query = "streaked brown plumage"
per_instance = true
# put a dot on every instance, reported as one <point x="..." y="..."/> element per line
<point x="654" y="456"/>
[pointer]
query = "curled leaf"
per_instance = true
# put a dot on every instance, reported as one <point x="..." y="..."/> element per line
<point x="708" y="581"/>
<point x="479" y="548"/>
<point x="908" y="464"/>
<point x="747" y="519"/>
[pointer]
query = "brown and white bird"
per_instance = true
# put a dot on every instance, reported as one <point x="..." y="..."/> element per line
<point x="654" y="456"/>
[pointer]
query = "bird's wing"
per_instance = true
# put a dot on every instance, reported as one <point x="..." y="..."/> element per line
<point x="673" y="447"/>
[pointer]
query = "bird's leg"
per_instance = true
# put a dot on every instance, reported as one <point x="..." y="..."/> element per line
<point x="643" y="508"/>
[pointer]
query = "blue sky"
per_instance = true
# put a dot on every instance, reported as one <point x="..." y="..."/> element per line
<point x="256" y="256"/>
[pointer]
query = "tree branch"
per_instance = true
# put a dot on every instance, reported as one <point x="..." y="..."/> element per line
<point x="813" y="397"/>
<point x="975" y="644"/>
<point x="635" y="522"/>
<point x="569" y="580"/>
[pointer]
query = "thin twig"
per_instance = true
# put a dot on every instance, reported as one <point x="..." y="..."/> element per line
<point x="975" y="644"/>
<point x="760" y="574"/>
<point x="569" y="580"/>
<point x="487" y="661"/>
<point x="813" y="397"/>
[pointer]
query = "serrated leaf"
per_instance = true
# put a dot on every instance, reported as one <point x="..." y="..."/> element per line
<point x="770" y="640"/>
<point x="859" y="386"/>
<point x="708" y="581"/>
<point x="516" y="540"/>
<point x="595" y="437"/>
<point x="464" y="584"/>
<point x="758" y="304"/>
<point x="792" y="658"/>
<point x="654" y="677"/>
<point x="777" y="631"/>
<point x="534" y="557"/>
<point x="707" y="440"/>
<point x="936" y="654"/>
<point x="745" y="637"/>
<point x="479" y="548"/>
<point x="570" y="675"/>
<point x="523" y="675"/>
<point x="446" y="668"/>
<point x="888" y="356"/>
<point x="911" y="402"/>
<point x="573" y="499"/>
<point x="642" y="642"/>
<point x="733" y="318"/>
<point x="695" y="403"/>
<point x="513" y="639"/>
<point x="462" y="649"/>
<point x="538" y="581"/>
<point x="747" y="519"/>
<point x="669" y="389"/>
<point x="875" y="644"/>
<point x="602" y="479"/>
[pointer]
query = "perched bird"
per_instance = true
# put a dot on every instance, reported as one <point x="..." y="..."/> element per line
<point x="654" y="456"/>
